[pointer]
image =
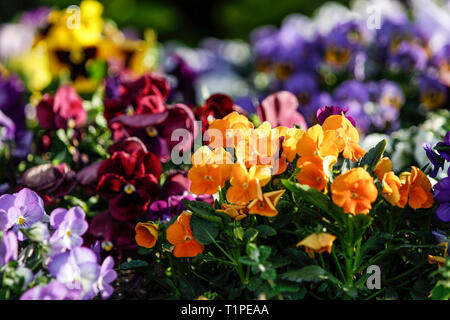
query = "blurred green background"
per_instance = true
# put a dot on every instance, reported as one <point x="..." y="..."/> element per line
<point x="188" y="21"/>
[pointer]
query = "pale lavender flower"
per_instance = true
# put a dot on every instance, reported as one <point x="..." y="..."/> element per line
<point x="107" y="275"/>
<point x="28" y="209"/>
<point x="51" y="291"/>
<point x="77" y="269"/>
<point x="8" y="248"/>
<point x="70" y="226"/>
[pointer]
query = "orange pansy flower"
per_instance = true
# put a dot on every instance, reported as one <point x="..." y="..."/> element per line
<point x="419" y="194"/>
<point x="291" y="137"/>
<point x="316" y="142"/>
<point x="246" y="184"/>
<point x="391" y="188"/>
<point x="206" y="178"/>
<point x="146" y="234"/>
<point x="317" y="242"/>
<point x="236" y="212"/>
<point x="314" y="171"/>
<point x="383" y="166"/>
<point x="180" y="235"/>
<point x="344" y="128"/>
<point x="267" y="206"/>
<point x="227" y="131"/>
<point x="354" y="191"/>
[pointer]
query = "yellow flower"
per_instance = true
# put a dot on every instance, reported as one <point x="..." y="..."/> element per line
<point x="317" y="242"/>
<point x="236" y="212"/>
<point x="383" y="166"/>
<point x="391" y="188"/>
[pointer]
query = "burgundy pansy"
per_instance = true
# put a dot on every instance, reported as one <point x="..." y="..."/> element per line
<point x="63" y="110"/>
<point x="129" y="180"/>
<point x="216" y="106"/>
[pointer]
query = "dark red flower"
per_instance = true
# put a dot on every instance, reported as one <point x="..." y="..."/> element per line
<point x="216" y="106"/>
<point x="129" y="179"/>
<point x="63" y="110"/>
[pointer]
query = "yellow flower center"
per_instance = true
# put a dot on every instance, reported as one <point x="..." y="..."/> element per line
<point x="151" y="131"/>
<point x="21" y="220"/>
<point x="71" y="123"/>
<point x="107" y="246"/>
<point x="129" y="189"/>
<point x="129" y="111"/>
<point x="187" y="238"/>
<point x="68" y="233"/>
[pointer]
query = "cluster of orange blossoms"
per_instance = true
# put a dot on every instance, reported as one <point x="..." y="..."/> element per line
<point x="263" y="152"/>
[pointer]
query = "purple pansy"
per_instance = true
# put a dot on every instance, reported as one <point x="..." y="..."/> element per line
<point x="434" y="159"/>
<point x="444" y="147"/>
<point x="70" y="226"/>
<point x="26" y="210"/>
<point x="8" y="248"/>
<point x="51" y="291"/>
<point x="107" y="275"/>
<point x="442" y="196"/>
<point x="327" y="111"/>
<point x="77" y="269"/>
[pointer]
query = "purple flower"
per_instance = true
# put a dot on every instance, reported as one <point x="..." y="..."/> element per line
<point x="442" y="196"/>
<point x="7" y="129"/>
<point x="444" y="147"/>
<point x="27" y="209"/>
<point x="77" y="269"/>
<point x="433" y="93"/>
<point x="70" y="226"/>
<point x="327" y="111"/>
<point x="51" y="291"/>
<point x="408" y="57"/>
<point x="107" y="275"/>
<point x="434" y="159"/>
<point x="8" y="248"/>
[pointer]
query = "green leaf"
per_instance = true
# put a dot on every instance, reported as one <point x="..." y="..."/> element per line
<point x="250" y="235"/>
<point x="133" y="264"/>
<point x="269" y="274"/>
<point x="440" y="292"/>
<point x="308" y="273"/>
<point x="247" y="261"/>
<point x="374" y="155"/>
<point x="265" y="231"/>
<point x="309" y="194"/>
<point x="203" y="210"/>
<point x="264" y="253"/>
<point x="204" y="231"/>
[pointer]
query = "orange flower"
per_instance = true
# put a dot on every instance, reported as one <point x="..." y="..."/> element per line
<point x="317" y="242"/>
<point x="236" y="212"/>
<point x="420" y="195"/>
<point x="383" y="166"/>
<point x="354" y="191"/>
<point x="206" y="178"/>
<point x="343" y="128"/>
<point x="266" y="206"/>
<point x="260" y="146"/>
<point x="314" y="171"/>
<point x="316" y="142"/>
<point x="391" y="188"/>
<point x="146" y="234"/>
<point x="180" y="235"/>
<point x="227" y="131"/>
<point x="246" y="184"/>
<point x="404" y="189"/>
<point x="291" y="137"/>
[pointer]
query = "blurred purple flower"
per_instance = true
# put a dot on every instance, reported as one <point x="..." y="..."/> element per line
<point x="442" y="196"/>
<point x="8" y="248"/>
<point x="51" y="291"/>
<point x="444" y="147"/>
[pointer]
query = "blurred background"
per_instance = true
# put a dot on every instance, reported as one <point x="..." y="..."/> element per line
<point x="188" y="21"/>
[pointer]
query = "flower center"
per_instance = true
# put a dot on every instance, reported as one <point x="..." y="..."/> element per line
<point x="129" y="111"/>
<point x="71" y="123"/>
<point x="151" y="131"/>
<point x="68" y="233"/>
<point x="354" y="195"/>
<point x="129" y="189"/>
<point x="208" y="177"/>
<point x="210" y="118"/>
<point x="107" y="245"/>
<point x="21" y="220"/>
<point x="187" y="238"/>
